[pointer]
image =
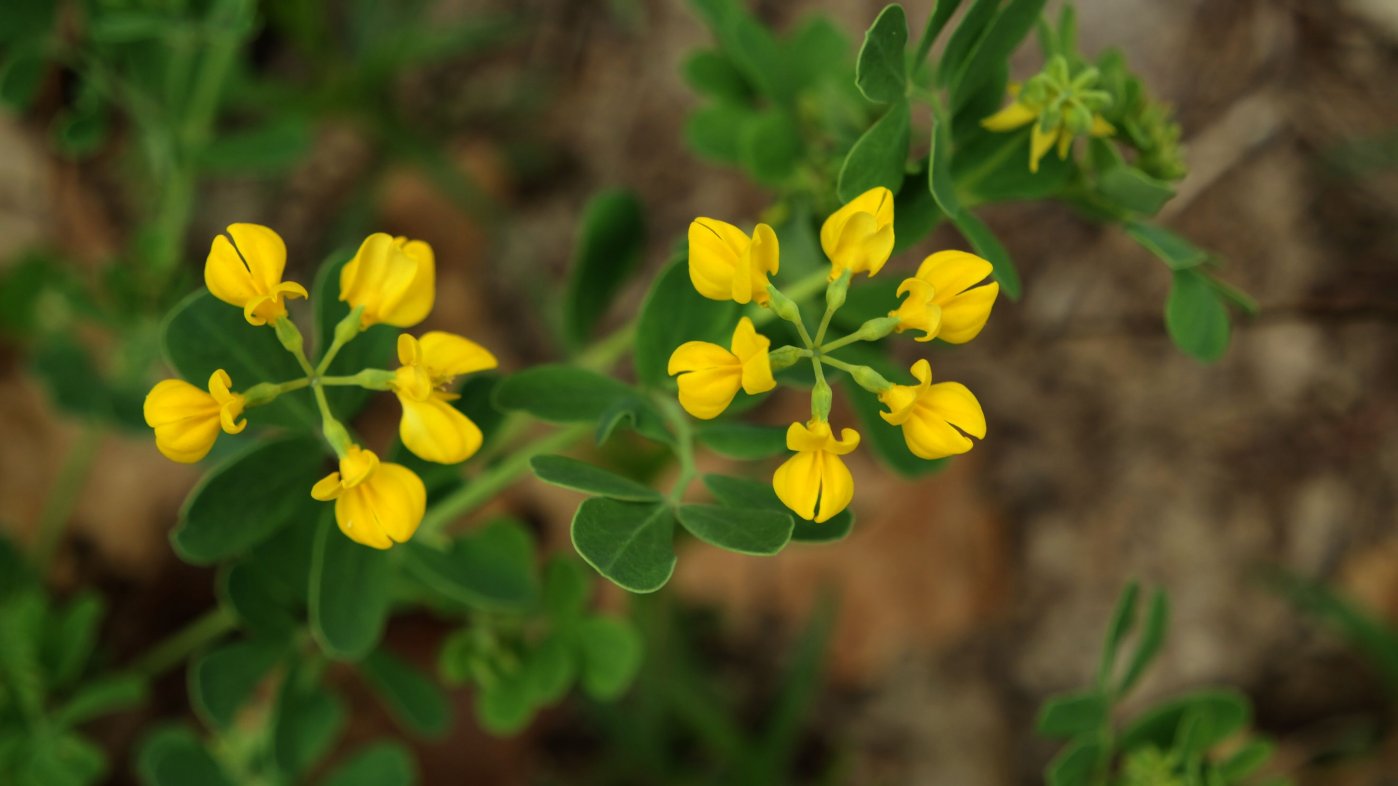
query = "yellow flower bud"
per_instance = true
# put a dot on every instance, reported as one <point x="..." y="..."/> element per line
<point x="431" y="427"/>
<point x="815" y="483"/>
<point x="725" y="264"/>
<point x="187" y="420"/>
<point x="709" y="375"/>
<point x="247" y="272"/>
<point x="376" y="504"/>
<point x="943" y="301"/>
<point x="859" y="236"/>
<point x="393" y="278"/>
<point x="934" y="417"/>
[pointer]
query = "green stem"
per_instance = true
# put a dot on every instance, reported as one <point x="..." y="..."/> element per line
<point x="840" y="364"/>
<point x="684" y="447"/>
<point x="368" y="378"/>
<point x="489" y="483"/>
<point x="330" y="426"/>
<point x="58" y="507"/>
<point x="174" y="650"/>
<point x="837" y="343"/>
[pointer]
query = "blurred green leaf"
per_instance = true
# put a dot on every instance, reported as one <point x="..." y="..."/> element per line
<point x="672" y="314"/>
<point x="1122" y="622"/>
<point x="881" y="72"/>
<point x="102" y="696"/>
<point x="21" y="75"/>
<point x="742" y="441"/>
<point x="770" y="146"/>
<point x="258" y="599"/>
<point x="69" y="639"/>
<point x="590" y="479"/>
<point x="715" y="132"/>
<point x="710" y="73"/>
<point x="380" y="764"/>
<point x="754" y="531"/>
<point x="415" y="701"/>
<point x="503" y="707"/>
<point x="308" y="721"/>
<point x="880" y="155"/>
<point x="630" y="543"/>
<point x="222" y="680"/>
<point x="1246" y="760"/>
<point x="999" y="42"/>
<point x="269" y="148"/>
<point x="611" y="240"/>
<point x="490" y="568"/>
<point x="1073" y="714"/>
<point x="249" y="497"/>
<point x="611" y="656"/>
<point x="549" y="668"/>
<point x="1173" y="250"/>
<point x="566" y="588"/>
<point x="1077" y="765"/>
<point x="745" y="493"/>
<point x="560" y="394"/>
<point x="1195" y="316"/>
<point x="1152" y="638"/>
<point x="349" y="597"/>
<point x="1224" y="712"/>
<point x="964" y="37"/>
<point x="915" y="215"/>
<point x="1129" y="187"/>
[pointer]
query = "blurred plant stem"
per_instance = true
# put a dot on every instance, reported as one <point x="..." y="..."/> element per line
<point x="58" y="508"/>
<point x="177" y="647"/>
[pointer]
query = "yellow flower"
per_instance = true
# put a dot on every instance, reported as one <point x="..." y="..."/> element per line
<point x="942" y="299"/>
<point x="711" y="375"/>
<point x="393" y="278"/>
<point x="375" y="504"/>
<point x="815" y="483"/>
<point x="859" y="236"/>
<point x="431" y="427"/>
<point x="1020" y="113"/>
<point x="932" y="414"/>
<point x="247" y="272"/>
<point x="726" y="264"/>
<point x="187" y="420"/>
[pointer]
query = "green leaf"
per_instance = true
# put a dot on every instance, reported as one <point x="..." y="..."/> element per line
<point x="611" y="240"/>
<point x="994" y="167"/>
<point x="203" y="334"/>
<point x="308" y="721"/>
<point x="672" y="314"/>
<point x="1196" y="317"/>
<point x="880" y="155"/>
<point x="21" y="75"/>
<point x="637" y="414"/>
<point x="745" y="493"/>
<point x="1123" y="620"/>
<point x="71" y="378"/>
<point x="915" y="215"/>
<point x="415" y="701"/>
<point x="611" y="656"/>
<point x="881" y="72"/>
<point x="769" y="146"/>
<point x="248" y="498"/>
<point x="1130" y="188"/>
<point x="174" y="756"/>
<point x="260" y="600"/>
<point x="590" y="479"/>
<point x="349" y="597"/>
<point x="749" y="45"/>
<point x="1073" y="714"/>
<point x="99" y="697"/>
<point x="1246" y="760"/>
<point x="560" y="394"/>
<point x="52" y="759"/>
<point x="630" y="543"/>
<point x="21" y="672"/>
<point x="68" y="640"/>
<point x="503" y="707"/>
<point x="1004" y="35"/>
<point x="1173" y="250"/>
<point x="491" y="568"/>
<point x="715" y="132"/>
<point x="817" y="50"/>
<point x="270" y="148"/>
<point x="1152" y="637"/>
<point x="1224" y="712"/>
<point x="712" y="74"/>
<point x="746" y="531"/>
<point x="376" y="347"/>
<point x="80" y="130"/>
<point x="963" y="39"/>
<point x="742" y="441"/>
<point x="222" y="680"/>
<point x="941" y="14"/>
<point x="381" y="764"/>
<point x="986" y="245"/>
<point x="1076" y="765"/>
<point x="549" y="670"/>
<point x="566" y="589"/>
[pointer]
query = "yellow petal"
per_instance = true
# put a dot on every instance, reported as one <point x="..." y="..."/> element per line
<point x="716" y="248"/>
<point x="848" y="441"/>
<point x="1039" y="143"/>
<point x="416" y="302"/>
<point x="805" y="437"/>
<point x="450" y="355"/>
<point x="1100" y="127"/>
<point x="1011" y="117"/>
<point x="859" y="245"/>
<point x="797" y="483"/>
<point x="406" y="499"/>
<point x="264" y="252"/>
<point x="434" y="430"/>
<point x="955" y="403"/>
<point x="930" y="437"/>
<point x="392" y="279"/>
<point x="227" y="276"/>
<point x="952" y="272"/>
<point x="751" y="348"/>
<point x="699" y="355"/>
<point x="706" y="393"/>
<point x="836" y="486"/>
<point x="966" y="314"/>
<point x="1065" y="142"/>
<point x="185" y="420"/>
<point x="762" y="259"/>
<point x="900" y="400"/>
<point x="327" y="488"/>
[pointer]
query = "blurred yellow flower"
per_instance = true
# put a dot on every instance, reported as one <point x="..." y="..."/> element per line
<point x="931" y="415"/>
<point x="376" y="504"/>
<point x="393" y="278"/>
<point x="859" y="236"/>
<point x="187" y="420"/>
<point x="725" y="264"/>
<point x="815" y="483"/>
<point x="431" y="427"/>
<point x="1062" y="131"/>
<point x="943" y="300"/>
<point x="711" y="375"/>
<point x="247" y="272"/>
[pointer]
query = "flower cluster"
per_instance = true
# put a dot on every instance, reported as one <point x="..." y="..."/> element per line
<point x="946" y="299"/>
<point x="1062" y="106"/>
<point x="390" y="281"/>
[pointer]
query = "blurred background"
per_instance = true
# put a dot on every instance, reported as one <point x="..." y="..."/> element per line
<point x="915" y="652"/>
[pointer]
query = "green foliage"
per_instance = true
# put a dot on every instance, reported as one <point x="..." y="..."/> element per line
<point x="589" y="479"/>
<point x="628" y="542"/>
<point x="1172" y="742"/>
<point x="414" y="700"/>
<point x="489" y="568"/>
<point x="611" y="239"/>
<point x="223" y="680"/>
<point x="672" y="314"/>
<point x="746" y="531"/>
<point x="881" y="72"/>
<point x="349" y="593"/>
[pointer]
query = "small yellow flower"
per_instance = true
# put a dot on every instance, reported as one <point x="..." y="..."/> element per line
<point x="1022" y="112"/>
<point x="247" y="272"/>
<point x="859" y="236"/>
<point x="943" y="300"/>
<point x="711" y="375"/>
<point x="187" y="420"/>
<point x="815" y="483"/>
<point x="376" y="504"/>
<point x="431" y="427"/>
<point x="932" y="414"/>
<point x="393" y="278"/>
<point x="726" y="264"/>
